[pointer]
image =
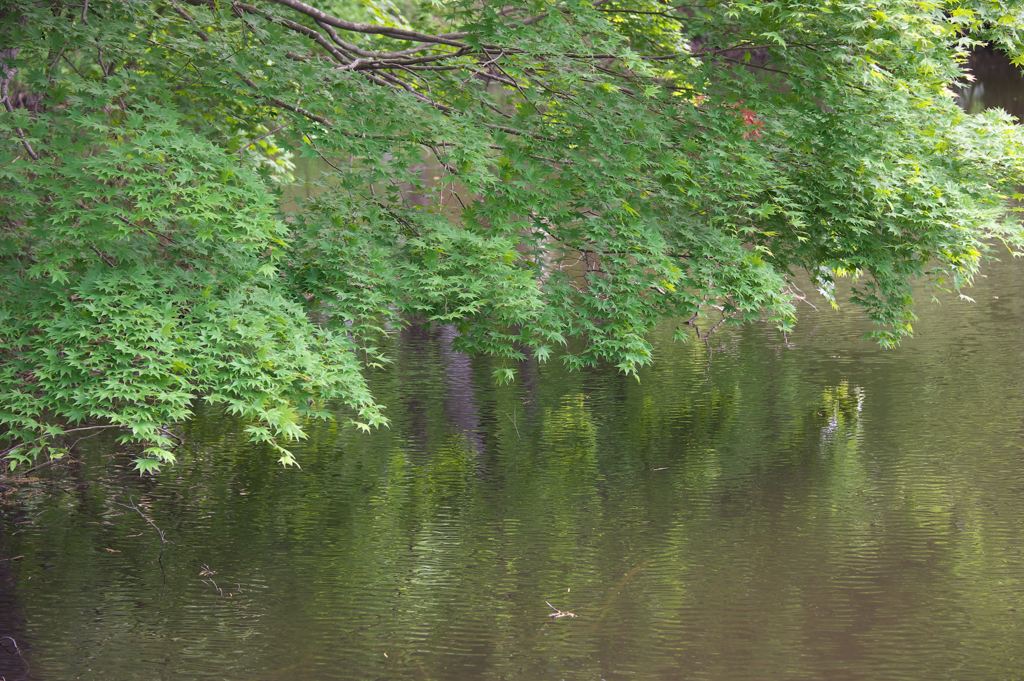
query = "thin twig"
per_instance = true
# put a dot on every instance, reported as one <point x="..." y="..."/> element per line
<point x="444" y="164"/>
<point x="188" y="17"/>
<point x="10" y="109"/>
<point x="163" y="539"/>
<point x="326" y="161"/>
<point x="99" y="253"/>
<point x="512" y="419"/>
<point x="166" y="431"/>
<point x="277" y="129"/>
<point x="99" y="58"/>
<point x="16" y="649"/>
<point x="26" y="472"/>
<point x="61" y="434"/>
<point x="57" y="58"/>
<point x="560" y="613"/>
<point x="208" y="573"/>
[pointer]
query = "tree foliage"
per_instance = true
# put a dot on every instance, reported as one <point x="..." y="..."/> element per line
<point x="532" y="173"/>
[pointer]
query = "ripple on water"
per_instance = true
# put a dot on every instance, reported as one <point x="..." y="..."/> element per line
<point x="809" y="507"/>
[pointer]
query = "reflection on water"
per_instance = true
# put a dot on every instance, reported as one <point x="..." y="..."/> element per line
<point x="997" y="84"/>
<point x="810" y="507"/>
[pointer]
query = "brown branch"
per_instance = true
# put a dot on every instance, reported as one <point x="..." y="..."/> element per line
<point x="369" y="54"/>
<point x="284" y="105"/>
<point x="188" y="17"/>
<point x="372" y="29"/>
<point x="8" y="74"/>
<point x="325" y="158"/>
<point x="130" y="224"/>
<point x="451" y="67"/>
<point x="277" y="129"/>
<point x="302" y="112"/>
<point x="395" y="81"/>
<point x="340" y="57"/>
<point x="61" y="434"/>
<point x="163" y="539"/>
<point x="99" y="253"/>
<point x="29" y="470"/>
<point x="57" y="58"/>
<point x="762" y="67"/>
<point x="734" y="48"/>
<point x="676" y="17"/>
<point x="426" y="59"/>
<point x="444" y="164"/>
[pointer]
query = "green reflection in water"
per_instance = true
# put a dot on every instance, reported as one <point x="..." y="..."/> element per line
<point x="804" y="507"/>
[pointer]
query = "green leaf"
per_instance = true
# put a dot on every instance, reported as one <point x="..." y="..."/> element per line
<point x="144" y="466"/>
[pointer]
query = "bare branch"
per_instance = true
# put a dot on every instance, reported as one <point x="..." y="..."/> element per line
<point x="163" y="539"/>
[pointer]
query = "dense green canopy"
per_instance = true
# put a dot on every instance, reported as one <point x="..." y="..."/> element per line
<point x="531" y="172"/>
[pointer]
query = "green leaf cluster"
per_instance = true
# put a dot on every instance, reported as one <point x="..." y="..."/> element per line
<point x="541" y="175"/>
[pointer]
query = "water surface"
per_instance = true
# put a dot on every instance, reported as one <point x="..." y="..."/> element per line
<point x="767" y="507"/>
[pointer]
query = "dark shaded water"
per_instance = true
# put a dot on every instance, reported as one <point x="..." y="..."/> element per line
<point x="997" y="84"/>
<point x="810" y="507"/>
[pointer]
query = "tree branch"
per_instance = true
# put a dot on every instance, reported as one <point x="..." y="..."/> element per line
<point x="277" y="129"/>
<point x="388" y="31"/>
<point x="8" y="74"/>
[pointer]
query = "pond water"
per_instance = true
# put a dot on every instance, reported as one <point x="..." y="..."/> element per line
<point x="810" y="507"/>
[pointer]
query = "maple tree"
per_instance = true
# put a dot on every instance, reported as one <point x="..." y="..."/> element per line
<point x="602" y="167"/>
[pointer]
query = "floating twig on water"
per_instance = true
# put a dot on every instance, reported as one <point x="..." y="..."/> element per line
<point x="163" y="540"/>
<point x="513" y="420"/>
<point x="17" y="650"/>
<point x="560" y="613"/>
